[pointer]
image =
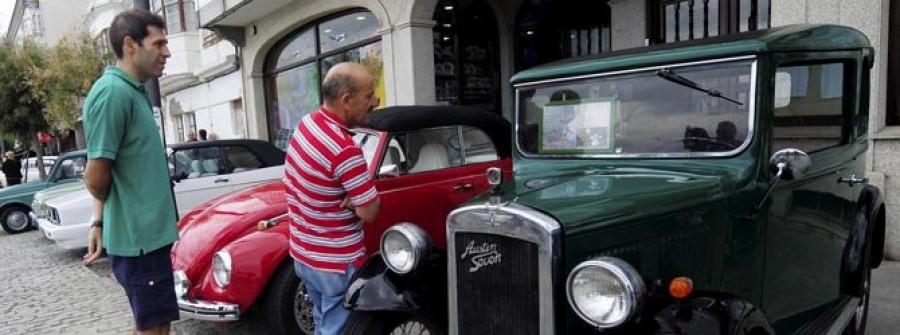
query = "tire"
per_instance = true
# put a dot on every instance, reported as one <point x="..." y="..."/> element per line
<point x="288" y="310"/>
<point x="15" y="220"/>
<point x="857" y="326"/>
<point x="370" y="323"/>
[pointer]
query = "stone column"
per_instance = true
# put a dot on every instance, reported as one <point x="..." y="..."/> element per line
<point x="409" y="63"/>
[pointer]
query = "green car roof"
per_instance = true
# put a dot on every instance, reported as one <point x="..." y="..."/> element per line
<point x="781" y="39"/>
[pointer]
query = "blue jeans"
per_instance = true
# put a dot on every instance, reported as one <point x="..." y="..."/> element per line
<point x="326" y="289"/>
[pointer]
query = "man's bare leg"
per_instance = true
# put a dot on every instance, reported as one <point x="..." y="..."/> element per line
<point x="158" y="330"/>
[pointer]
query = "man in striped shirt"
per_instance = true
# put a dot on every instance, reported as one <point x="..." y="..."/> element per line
<point x="330" y="192"/>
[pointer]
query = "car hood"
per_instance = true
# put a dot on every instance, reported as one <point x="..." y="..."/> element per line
<point x="22" y="189"/>
<point x="59" y="190"/>
<point x="75" y="198"/>
<point x="220" y="221"/>
<point x="585" y="198"/>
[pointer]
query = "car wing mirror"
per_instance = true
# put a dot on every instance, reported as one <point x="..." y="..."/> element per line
<point x="389" y="171"/>
<point x="786" y="164"/>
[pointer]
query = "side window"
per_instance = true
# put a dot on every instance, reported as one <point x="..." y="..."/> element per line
<point x="72" y="168"/>
<point x="432" y="149"/>
<point x="477" y="146"/>
<point x="395" y="155"/>
<point x="810" y="107"/>
<point x="198" y="163"/>
<point x="241" y="159"/>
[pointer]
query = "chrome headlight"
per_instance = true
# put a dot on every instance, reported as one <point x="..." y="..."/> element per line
<point x="222" y="268"/>
<point x="605" y="291"/>
<point x="403" y="247"/>
<point x="182" y="283"/>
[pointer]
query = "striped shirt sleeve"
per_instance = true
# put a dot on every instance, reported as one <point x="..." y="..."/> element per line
<point x="350" y="170"/>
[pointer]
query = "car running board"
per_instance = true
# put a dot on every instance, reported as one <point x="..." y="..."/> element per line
<point x="834" y="320"/>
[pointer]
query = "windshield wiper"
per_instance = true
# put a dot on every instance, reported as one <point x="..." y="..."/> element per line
<point x="668" y="74"/>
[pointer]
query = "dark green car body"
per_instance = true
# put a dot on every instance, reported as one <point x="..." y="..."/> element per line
<point x="793" y="260"/>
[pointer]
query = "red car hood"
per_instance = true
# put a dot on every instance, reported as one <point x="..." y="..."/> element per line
<point x="215" y="224"/>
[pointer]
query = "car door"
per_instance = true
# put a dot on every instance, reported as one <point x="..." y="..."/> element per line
<point x="202" y="175"/>
<point x="421" y="178"/>
<point x="808" y="218"/>
<point x="247" y="169"/>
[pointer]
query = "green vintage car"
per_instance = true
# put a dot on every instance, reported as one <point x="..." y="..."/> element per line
<point x="15" y="201"/>
<point x="706" y="187"/>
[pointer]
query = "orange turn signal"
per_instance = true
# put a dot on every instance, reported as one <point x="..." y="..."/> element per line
<point x="681" y="287"/>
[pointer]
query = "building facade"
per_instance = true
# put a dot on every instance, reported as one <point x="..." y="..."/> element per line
<point x="464" y="51"/>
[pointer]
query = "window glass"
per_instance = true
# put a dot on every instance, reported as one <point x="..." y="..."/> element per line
<point x="368" y="55"/>
<point x="394" y="155"/>
<point x="814" y="116"/>
<point x="346" y="30"/>
<point x="190" y="16"/>
<point x="478" y="146"/>
<point x="368" y="143"/>
<point x="197" y="163"/>
<point x="429" y="150"/>
<point x="70" y="168"/>
<point x="642" y="114"/>
<point x="173" y="18"/>
<point x="298" y="94"/>
<point x="242" y="159"/>
<point x="300" y="48"/>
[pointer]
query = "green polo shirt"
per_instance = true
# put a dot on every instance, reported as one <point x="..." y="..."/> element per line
<point x="139" y="214"/>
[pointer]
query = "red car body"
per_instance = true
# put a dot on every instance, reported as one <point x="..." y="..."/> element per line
<point x="231" y="223"/>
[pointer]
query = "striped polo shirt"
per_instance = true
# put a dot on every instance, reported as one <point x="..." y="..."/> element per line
<point x="323" y="166"/>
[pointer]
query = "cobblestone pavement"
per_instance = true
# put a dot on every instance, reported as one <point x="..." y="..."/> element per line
<point x="45" y="289"/>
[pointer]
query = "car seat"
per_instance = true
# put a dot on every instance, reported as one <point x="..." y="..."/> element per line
<point x="210" y="168"/>
<point x="432" y="156"/>
<point x="196" y="169"/>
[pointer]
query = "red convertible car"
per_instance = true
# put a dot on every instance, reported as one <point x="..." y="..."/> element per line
<point x="233" y="252"/>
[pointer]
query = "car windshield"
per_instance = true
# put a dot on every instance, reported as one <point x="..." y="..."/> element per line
<point x="667" y="111"/>
<point x="70" y="168"/>
<point x="368" y="142"/>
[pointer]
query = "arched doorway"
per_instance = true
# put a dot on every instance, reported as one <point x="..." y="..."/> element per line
<point x="549" y="30"/>
<point x="466" y="54"/>
<point x="295" y="67"/>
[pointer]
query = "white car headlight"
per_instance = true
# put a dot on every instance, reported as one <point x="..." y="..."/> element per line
<point x="605" y="291"/>
<point x="182" y="283"/>
<point x="403" y="246"/>
<point x="222" y="268"/>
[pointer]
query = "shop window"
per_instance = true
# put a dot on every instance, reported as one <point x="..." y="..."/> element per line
<point x="682" y="20"/>
<point x="180" y="15"/>
<point x="296" y="66"/>
<point x="465" y="55"/>
<point x="548" y="30"/>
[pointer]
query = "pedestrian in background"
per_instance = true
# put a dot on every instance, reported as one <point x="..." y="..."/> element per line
<point x="191" y="136"/>
<point x="330" y="194"/>
<point x="127" y="174"/>
<point x="213" y="136"/>
<point x="12" y="169"/>
<point x="202" y="133"/>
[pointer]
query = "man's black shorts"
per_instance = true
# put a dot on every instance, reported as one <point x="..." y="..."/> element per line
<point x="150" y="287"/>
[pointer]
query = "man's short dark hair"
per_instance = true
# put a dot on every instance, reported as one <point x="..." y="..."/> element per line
<point x="202" y="134"/>
<point x="132" y="23"/>
<point x="337" y="84"/>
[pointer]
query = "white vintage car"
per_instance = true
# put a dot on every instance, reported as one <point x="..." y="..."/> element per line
<point x="201" y="171"/>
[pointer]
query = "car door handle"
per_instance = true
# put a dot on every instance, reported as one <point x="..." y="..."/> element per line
<point x="221" y="180"/>
<point x="462" y="187"/>
<point x="853" y="180"/>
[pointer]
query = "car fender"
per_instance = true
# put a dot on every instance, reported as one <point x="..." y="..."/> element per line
<point x="255" y="257"/>
<point x="712" y="315"/>
<point x="866" y="233"/>
<point x="872" y="198"/>
<point x="376" y="288"/>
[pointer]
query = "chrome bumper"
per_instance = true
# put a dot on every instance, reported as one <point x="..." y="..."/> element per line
<point x="208" y="310"/>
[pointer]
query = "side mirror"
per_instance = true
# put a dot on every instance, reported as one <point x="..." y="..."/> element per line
<point x="789" y="164"/>
<point x="786" y="164"/>
<point x="389" y="171"/>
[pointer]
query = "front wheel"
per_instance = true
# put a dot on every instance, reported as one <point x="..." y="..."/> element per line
<point x="389" y="324"/>
<point x="14" y="219"/>
<point x="288" y="306"/>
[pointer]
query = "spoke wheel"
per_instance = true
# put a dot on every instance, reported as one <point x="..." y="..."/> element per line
<point x="411" y="327"/>
<point x="390" y="323"/>
<point x="303" y="310"/>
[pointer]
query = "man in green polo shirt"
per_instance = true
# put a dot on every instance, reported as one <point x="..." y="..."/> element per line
<point x="127" y="173"/>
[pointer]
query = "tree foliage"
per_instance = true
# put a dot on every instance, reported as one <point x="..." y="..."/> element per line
<point x="71" y="67"/>
<point x="21" y="110"/>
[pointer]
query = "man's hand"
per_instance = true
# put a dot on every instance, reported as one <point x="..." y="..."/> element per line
<point x="346" y="203"/>
<point x="95" y="245"/>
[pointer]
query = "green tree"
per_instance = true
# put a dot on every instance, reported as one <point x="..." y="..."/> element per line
<point x="21" y="110"/>
<point x="72" y="66"/>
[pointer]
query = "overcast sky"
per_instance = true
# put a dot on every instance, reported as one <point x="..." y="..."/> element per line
<point x="6" y="9"/>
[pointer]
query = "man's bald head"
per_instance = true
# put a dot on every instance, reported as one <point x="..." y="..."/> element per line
<point x="344" y="78"/>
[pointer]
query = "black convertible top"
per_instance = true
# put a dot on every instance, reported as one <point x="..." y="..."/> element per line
<point x="407" y="118"/>
<point x="269" y="154"/>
